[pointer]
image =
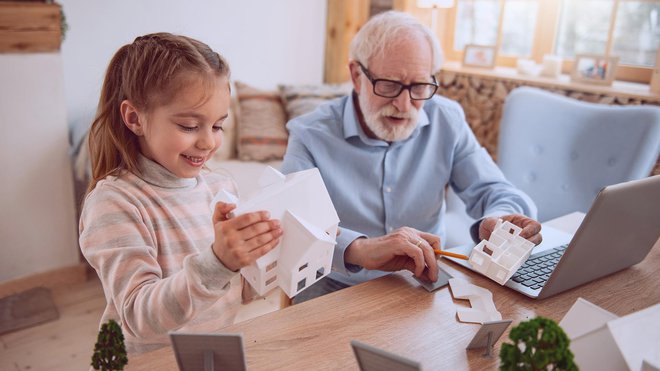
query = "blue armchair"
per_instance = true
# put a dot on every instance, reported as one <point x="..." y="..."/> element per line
<point x="562" y="151"/>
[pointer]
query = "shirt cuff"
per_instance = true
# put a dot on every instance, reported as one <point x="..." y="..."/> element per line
<point x="345" y="238"/>
<point x="208" y="271"/>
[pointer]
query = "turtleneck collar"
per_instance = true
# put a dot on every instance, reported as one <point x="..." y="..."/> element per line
<point x="155" y="174"/>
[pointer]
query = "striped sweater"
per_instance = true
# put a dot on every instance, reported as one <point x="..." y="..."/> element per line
<point x="149" y="239"/>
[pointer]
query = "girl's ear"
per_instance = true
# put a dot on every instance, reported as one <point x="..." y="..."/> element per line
<point x="131" y="118"/>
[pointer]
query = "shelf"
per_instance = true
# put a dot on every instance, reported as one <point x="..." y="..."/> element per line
<point x="563" y="82"/>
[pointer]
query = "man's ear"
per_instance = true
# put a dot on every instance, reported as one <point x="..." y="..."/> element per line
<point x="354" y="68"/>
<point x="131" y="117"/>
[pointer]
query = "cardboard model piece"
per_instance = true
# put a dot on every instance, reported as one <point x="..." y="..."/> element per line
<point x="499" y="257"/>
<point x="481" y="301"/>
<point x="302" y="204"/>
<point x="602" y="341"/>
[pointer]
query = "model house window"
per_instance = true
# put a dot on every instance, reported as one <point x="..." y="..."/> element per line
<point x="629" y="29"/>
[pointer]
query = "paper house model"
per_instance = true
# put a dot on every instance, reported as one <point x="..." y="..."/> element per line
<point x="602" y="341"/>
<point x="302" y="204"/>
<point x="499" y="257"/>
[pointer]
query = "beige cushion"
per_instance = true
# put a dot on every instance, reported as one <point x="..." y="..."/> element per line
<point x="261" y="133"/>
<point x="227" y="148"/>
<point x="301" y="99"/>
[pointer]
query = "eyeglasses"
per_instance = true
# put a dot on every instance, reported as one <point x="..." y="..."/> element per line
<point x="391" y="89"/>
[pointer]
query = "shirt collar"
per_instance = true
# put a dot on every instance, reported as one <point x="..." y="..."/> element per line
<point x="155" y="174"/>
<point x="352" y="127"/>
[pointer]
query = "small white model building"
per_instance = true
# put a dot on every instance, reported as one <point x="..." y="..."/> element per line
<point x="602" y="341"/>
<point x="302" y="204"/>
<point x="499" y="257"/>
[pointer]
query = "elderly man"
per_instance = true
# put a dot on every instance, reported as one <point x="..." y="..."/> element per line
<point x="387" y="153"/>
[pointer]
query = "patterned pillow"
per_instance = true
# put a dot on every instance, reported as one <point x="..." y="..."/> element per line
<point x="261" y="121"/>
<point x="227" y="148"/>
<point x="301" y="99"/>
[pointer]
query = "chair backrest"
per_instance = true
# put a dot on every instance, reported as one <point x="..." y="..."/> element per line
<point x="562" y="151"/>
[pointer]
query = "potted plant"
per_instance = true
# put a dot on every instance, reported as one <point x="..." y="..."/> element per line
<point x="110" y="351"/>
<point x="538" y="344"/>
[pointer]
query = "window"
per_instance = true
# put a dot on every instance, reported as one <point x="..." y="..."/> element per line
<point x="629" y="29"/>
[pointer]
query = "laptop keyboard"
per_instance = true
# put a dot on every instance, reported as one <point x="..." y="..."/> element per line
<point x="535" y="271"/>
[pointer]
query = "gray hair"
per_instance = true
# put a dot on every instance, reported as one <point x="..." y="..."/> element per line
<point x="386" y="27"/>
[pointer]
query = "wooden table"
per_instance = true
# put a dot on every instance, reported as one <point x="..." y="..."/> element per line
<point x="396" y="314"/>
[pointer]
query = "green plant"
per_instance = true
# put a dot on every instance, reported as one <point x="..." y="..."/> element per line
<point x="538" y="344"/>
<point x="110" y="351"/>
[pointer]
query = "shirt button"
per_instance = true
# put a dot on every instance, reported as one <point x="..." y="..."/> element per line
<point x="388" y="189"/>
<point x="390" y="229"/>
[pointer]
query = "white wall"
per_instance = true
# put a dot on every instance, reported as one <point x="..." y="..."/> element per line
<point x="266" y="42"/>
<point x="37" y="218"/>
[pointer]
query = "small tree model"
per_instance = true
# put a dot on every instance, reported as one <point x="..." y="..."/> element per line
<point x="538" y="344"/>
<point x="110" y="351"/>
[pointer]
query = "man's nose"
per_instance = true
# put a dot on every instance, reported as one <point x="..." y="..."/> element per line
<point x="403" y="101"/>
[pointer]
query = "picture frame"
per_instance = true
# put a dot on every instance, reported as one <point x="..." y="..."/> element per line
<point x="482" y="56"/>
<point x="208" y="351"/>
<point x="488" y="334"/>
<point x="594" y="69"/>
<point x="370" y="358"/>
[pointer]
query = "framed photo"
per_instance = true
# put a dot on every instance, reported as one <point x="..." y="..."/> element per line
<point x="479" y="56"/>
<point x="594" y="69"/>
<point x="370" y="358"/>
<point x="208" y="351"/>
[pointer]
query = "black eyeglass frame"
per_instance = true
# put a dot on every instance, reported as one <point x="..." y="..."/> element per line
<point x="402" y="86"/>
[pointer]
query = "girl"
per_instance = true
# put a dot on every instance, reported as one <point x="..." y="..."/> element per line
<point x="166" y="261"/>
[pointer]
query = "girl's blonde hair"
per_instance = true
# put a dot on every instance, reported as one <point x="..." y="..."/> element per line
<point x="148" y="72"/>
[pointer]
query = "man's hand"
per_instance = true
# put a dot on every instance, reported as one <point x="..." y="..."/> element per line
<point x="405" y="248"/>
<point x="531" y="229"/>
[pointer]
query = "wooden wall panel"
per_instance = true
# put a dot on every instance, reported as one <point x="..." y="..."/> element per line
<point x="345" y="17"/>
<point x="29" y="27"/>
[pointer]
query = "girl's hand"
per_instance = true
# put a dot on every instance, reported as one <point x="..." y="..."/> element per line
<point x="241" y="240"/>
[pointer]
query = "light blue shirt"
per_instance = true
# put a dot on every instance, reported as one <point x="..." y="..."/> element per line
<point x="378" y="187"/>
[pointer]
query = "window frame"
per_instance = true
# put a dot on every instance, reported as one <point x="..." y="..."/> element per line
<point x="545" y="34"/>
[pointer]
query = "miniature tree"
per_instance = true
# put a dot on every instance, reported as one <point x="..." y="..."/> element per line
<point x="110" y="351"/>
<point x="538" y="344"/>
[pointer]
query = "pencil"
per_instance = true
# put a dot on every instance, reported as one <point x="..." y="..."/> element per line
<point x="452" y="254"/>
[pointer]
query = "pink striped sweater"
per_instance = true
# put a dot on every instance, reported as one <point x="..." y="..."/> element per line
<point x="149" y="238"/>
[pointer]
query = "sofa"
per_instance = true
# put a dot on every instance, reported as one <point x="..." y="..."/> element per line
<point x="255" y="136"/>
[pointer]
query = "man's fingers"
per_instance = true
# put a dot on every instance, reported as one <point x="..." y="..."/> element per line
<point x="536" y="239"/>
<point x="431" y="262"/>
<point x="531" y="229"/>
<point x="433" y="240"/>
<point x="416" y="254"/>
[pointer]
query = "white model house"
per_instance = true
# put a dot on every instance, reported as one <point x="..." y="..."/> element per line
<point x="502" y="254"/>
<point x="602" y="341"/>
<point x="302" y="204"/>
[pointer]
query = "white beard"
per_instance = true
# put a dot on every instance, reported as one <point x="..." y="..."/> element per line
<point x="384" y="131"/>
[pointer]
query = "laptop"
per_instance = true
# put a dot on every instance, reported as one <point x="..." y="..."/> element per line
<point x="621" y="227"/>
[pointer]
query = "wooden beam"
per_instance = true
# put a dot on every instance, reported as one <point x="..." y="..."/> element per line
<point x="29" y="27"/>
<point x="345" y="17"/>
